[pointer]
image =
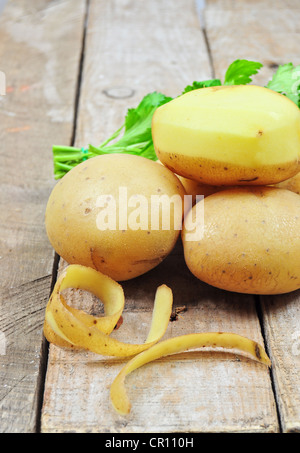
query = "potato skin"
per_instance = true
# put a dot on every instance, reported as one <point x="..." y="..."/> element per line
<point x="251" y="241"/>
<point x="229" y="135"/>
<point x="71" y="215"/>
<point x="292" y="184"/>
<point x="195" y="188"/>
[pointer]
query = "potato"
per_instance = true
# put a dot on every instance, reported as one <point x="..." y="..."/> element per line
<point x="229" y="135"/>
<point x="84" y="228"/>
<point x="292" y="184"/>
<point x="195" y="188"/>
<point x="250" y="243"/>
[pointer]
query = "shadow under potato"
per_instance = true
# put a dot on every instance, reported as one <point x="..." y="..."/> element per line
<point x="187" y="289"/>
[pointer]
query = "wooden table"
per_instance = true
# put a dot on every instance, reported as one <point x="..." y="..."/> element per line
<point x="73" y="68"/>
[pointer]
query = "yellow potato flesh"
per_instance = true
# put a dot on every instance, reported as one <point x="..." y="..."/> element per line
<point x="251" y="241"/>
<point x="67" y="326"/>
<point x="227" y="340"/>
<point x="229" y="135"/>
<point x="118" y="250"/>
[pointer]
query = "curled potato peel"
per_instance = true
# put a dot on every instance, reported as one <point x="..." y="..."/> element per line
<point x="227" y="340"/>
<point x="67" y="326"/>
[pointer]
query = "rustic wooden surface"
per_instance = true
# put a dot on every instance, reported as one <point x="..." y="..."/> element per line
<point x="73" y="69"/>
<point x="41" y="76"/>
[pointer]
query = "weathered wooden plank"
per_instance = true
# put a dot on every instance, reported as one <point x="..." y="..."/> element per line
<point x="251" y="4"/>
<point x="40" y="47"/>
<point x="133" y="48"/>
<point x="263" y="33"/>
<point x="281" y="316"/>
<point x="269" y="36"/>
<point x="198" y="392"/>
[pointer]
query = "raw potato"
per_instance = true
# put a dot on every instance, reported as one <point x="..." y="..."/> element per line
<point x="292" y="184"/>
<point x="118" y="251"/>
<point x="195" y="188"/>
<point x="229" y="135"/>
<point x="251" y="241"/>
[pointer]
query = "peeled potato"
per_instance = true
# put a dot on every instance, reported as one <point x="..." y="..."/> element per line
<point x="229" y="135"/>
<point x="250" y="243"/>
<point x="124" y="242"/>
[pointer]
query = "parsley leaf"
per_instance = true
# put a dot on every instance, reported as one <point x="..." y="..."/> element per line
<point x="136" y="139"/>
<point x="286" y="81"/>
<point x="204" y="84"/>
<point x="240" y="72"/>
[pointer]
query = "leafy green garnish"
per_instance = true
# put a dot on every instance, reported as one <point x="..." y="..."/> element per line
<point x="136" y="139"/>
<point x="204" y="84"/>
<point x="240" y="72"/>
<point x="286" y="81"/>
<point x="137" y="135"/>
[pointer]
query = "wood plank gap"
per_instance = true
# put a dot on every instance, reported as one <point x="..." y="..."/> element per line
<point x="45" y="344"/>
<point x="44" y="355"/>
<point x="200" y="5"/>
<point x="263" y="334"/>
<point x="80" y="72"/>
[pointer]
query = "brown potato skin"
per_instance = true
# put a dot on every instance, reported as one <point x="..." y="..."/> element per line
<point x="215" y="173"/>
<point x="71" y="215"/>
<point x="195" y="188"/>
<point x="251" y="241"/>
<point x="292" y="184"/>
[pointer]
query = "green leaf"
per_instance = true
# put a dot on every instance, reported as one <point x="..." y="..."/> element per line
<point x="138" y="121"/>
<point x="240" y="72"/>
<point x="204" y="84"/>
<point x="286" y="81"/>
<point x="145" y="109"/>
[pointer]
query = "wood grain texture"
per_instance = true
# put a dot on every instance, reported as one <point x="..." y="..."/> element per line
<point x="268" y="33"/>
<point x="263" y="33"/>
<point x="281" y="316"/>
<point x="201" y="391"/>
<point x="133" y="48"/>
<point x="38" y="108"/>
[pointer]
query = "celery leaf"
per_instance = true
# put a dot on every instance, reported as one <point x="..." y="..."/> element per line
<point x="240" y="72"/>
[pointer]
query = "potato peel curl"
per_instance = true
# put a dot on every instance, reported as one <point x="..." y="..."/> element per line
<point x="69" y="327"/>
<point x="118" y="395"/>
